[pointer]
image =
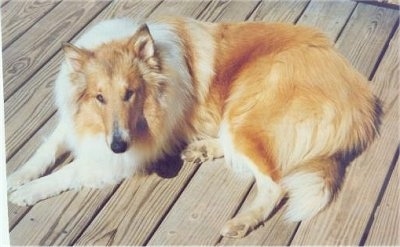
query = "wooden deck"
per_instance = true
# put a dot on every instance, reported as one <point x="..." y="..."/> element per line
<point x="188" y="204"/>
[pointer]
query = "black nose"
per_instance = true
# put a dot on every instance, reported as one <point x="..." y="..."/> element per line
<point x="118" y="146"/>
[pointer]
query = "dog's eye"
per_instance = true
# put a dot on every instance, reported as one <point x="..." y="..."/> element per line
<point x="100" y="98"/>
<point x="128" y="94"/>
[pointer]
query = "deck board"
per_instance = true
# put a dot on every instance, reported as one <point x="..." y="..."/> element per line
<point x="385" y="229"/>
<point x="15" y="213"/>
<point x="201" y="211"/>
<point x="27" y="54"/>
<point x="29" y="107"/>
<point x="141" y="202"/>
<point x="274" y="11"/>
<point x="228" y="10"/>
<point x="189" y="204"/>
<point x="180" y="8"/>
<point x="330" y="16"/>
<point x="19" y="16"/>
<point x="367" y="31"/>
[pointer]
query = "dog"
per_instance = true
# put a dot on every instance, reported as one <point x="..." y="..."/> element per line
<point x="275" y="100"/>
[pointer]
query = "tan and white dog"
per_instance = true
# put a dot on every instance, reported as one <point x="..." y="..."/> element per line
<point x="274" y="99"/>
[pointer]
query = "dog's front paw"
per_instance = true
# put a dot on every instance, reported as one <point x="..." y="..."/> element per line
<point x="27" y="195"/>
<point x="18" y="178"/>
<point x="201" y="151"/>
<point x="194" y="155"/>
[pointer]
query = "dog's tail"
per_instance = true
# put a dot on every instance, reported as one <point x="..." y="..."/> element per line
<point x="311" y="186"/>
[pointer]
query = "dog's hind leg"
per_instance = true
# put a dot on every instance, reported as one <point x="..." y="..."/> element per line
<point x="41" y="160"/>
<point x="251" y="150"/>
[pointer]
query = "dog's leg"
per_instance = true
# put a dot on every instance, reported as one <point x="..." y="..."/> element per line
<point x="251" y="150"/>
<point x="202" y="150"/>
<point x="75" y="175"/>
<point x="42" y="159"/>
<point x="64" y="179"/>
<point x="269" y="194"/>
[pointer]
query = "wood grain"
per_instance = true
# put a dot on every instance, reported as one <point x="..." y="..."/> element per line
<point x="19" y="16"/>
<point x="385" y="228"/>
<point x="138" y="10"/>
<point x="345" y="220"/>
<point x="29" y="107"/>
<point x="136" y="209"/>
<point x="228" y="10"/>
<point x="180" y="8"/>
<point x="207" y="203"/>
<point x="27" y="54"/>
<point x="4" y="2"/>
<point x="275" y="11"/>
<point x="15" y="213"/>
<point x="330" y="16"/>
<point x="59" y="220"/>
<point x="368" y="25"/>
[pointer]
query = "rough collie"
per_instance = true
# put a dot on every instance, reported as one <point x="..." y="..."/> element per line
<point x="274" y="99"/>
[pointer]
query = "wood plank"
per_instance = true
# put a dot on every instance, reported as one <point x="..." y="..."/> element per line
<point x="330" y="17"/>
<point x="28" y="108"/>
<point x="385" y="228"/>
<point x="27" y="54"/>
<point x="4" y="2"/>
<point x="387" y="89"/>
<point x="74" y="221"/>
<point x="218" y="193"/>
<point x="15" y="212"/>
<point x="352" y="208"/>
<point x="180" y="8"/>
<point x="368" y="25"/>
<point x="59" y="220"/>
<point x="275" y="11"/>
<point x="201" y="211"/>
<point x="19" y="16"/>
<point x="228" y="10"/>
<point x="141" y="203"/>
<point x="277" y="231"/>
<point x="138" y="9"/>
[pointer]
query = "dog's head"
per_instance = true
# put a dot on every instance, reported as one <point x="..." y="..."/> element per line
<point x="120" y="86"/>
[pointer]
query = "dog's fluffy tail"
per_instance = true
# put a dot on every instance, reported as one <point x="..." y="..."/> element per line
<point x="311" y="187"/>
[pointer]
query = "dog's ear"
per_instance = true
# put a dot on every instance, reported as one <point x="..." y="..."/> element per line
<point x="143" y="43"/>
<point x="76" y="57"/>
